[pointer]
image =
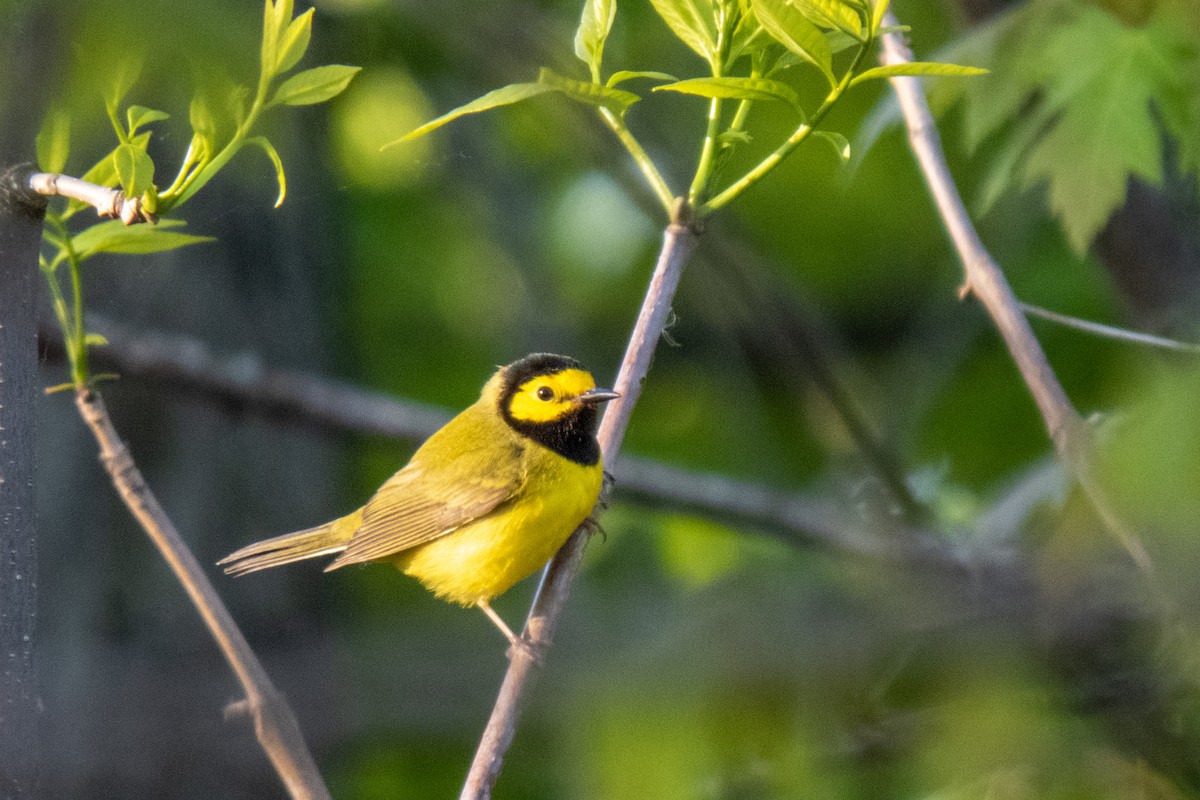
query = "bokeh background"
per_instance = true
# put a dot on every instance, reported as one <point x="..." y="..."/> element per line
<point x="699" y="657"/>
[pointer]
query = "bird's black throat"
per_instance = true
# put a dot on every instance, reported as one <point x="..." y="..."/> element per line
<point x="571" y="437"/>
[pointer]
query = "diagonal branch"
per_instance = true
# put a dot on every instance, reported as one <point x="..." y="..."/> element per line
<point x="1071" y="435"/>
<point x="274" y="723"/>
<point x="679" y="241"/>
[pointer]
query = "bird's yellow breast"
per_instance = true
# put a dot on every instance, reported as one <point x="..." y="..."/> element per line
<point x="484" y="558"/>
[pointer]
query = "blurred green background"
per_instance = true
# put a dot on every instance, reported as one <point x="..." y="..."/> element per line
<point x="697" y="659"/>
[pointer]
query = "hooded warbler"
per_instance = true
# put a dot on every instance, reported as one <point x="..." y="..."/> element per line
<point x="484" y="502"/>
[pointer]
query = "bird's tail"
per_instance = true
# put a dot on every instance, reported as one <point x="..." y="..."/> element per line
<point x="319" y="541"/>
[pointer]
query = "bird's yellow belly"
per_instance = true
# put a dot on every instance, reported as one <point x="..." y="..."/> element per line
<point x="484" y="558"/>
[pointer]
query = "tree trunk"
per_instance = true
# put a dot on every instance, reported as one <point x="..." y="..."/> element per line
<point x="21" y="214"/>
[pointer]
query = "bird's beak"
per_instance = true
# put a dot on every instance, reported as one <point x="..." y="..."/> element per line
<point x="598" y="396"/>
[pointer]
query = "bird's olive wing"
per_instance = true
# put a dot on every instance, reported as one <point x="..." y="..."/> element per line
<point x="432" y="497"/>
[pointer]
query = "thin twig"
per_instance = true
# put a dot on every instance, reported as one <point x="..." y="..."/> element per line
<point x="274" y="724"/>
<point x="1111" y="332"/>
<point x="1070" y="434"/>
<point x="679" y="241"/>
<point x="107" y="202"/>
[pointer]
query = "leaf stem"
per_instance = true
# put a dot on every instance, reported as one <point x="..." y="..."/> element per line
<point x="71" y="321"/>
<point x="784" y="150"/>
<point x="653" y="177"/>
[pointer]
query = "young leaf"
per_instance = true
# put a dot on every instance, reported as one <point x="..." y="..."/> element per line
<point x="736" y="88"/>
<point x="95" y="340"/>
<point x="314" y="85"/>
<point x="126" y="76"/>
<point x="104" y="173"/>
<point x="793" y="30"/>
<point x="269" y="149"/>
<point x="694" y="22"/>
<point x="134" y="168"/>
<point x="916" y="68"/>
<point x="878" y="9"/>
<point x="504" y="96"/>
<point x="138" y="116"/>
<point x="593" y="94"/>
<point x="626" y="75"/>
<point x="749" y="35"/>
<point x="831" y="14"/>
<point x="54" y="141"/>
<point x="840" y="143"/>
<point x="275" y="17"/>
<point x="593" y="30"/>
<point x="116" y="237"/>
<point x="294" y="42"/>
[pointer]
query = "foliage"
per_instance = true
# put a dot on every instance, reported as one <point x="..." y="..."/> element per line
<point x="751" y="50"/>
<point x="221" y="126"/>
<point x="1083" y="97"/>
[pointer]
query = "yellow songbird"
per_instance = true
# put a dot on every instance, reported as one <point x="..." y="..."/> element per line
<point x="485" y="501"/>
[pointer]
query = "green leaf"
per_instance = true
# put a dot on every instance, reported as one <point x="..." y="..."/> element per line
<point x="54" y="141"/>
<point x="840" y="143"/>
<point x="125" y="76"/>
<point x="1104" y="136"/>
<point x="736" y="88"/>
<point x="831" y="14"/>
<point x="748" y="37"/>
<point x="731" y="138"/>
<point x="95" y="340"/>
<point x="504" y="96"/>
<point x="134" y="169"/>
<point x="314" y="85"/>
<point x="140" y="115"/>
<point x="593" y="30"/>
<point x="104" y="173"/>
<point x="626" y="75"/>
<point x="116" y="237"/>
<point x="593" y="94"/>
<point x="916" y="68"/>
<point x="793" y="30"/>
<point x="694" y="22"/>
<point x="294" y="42"/>
<point x="275" y="17"/>
<point x="269" y="149"/>
<point x="878" y="10"/>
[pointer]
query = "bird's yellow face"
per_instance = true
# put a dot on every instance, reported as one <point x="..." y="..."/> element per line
<point x="553" y="401"/>
<point x="550" y="398"/>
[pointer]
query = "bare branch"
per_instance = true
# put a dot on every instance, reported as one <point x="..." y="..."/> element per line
<point x="184" y="364"/>
<point x="274" y="723"/>
<point x="1111" y="332"/>
<point x="107" y="202"/>
<point x="679" y="240"/>
<point x="1071" y="435"/>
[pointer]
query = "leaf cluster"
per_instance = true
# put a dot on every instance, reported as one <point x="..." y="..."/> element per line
<point x="1080" y="98"/>
<point x="754" y="51"/>
<point x="222" y="124"/>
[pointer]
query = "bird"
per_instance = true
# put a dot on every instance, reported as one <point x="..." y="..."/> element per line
<point x="484" y="502"/>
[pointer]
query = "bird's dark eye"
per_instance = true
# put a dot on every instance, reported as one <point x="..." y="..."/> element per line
<point x="545" y="393"/>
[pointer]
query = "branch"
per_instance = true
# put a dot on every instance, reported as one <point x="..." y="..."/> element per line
<point x="1070" y="434"/>
<point x="242" y="381"/>
<point x="274" y="723"/>
<point x="107" y="202"/>
<point x="679" y="240"/>
<point x="1110" y="332"/>
<point x="21" y="216"/>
